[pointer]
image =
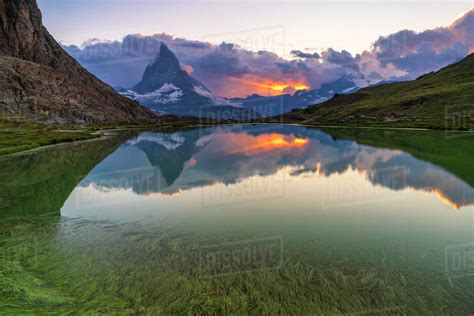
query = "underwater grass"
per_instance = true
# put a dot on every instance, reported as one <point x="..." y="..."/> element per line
<point x="73" y="266"/>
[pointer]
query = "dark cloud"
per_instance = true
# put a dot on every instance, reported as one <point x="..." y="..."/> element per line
<point x="225" y="59"/>
<point x="194" y="44"/>
<point x="300" y="54"/>
<point x="343" y="58"/>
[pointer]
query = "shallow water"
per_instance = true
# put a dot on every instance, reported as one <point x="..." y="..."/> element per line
<point x="265" y="219"/>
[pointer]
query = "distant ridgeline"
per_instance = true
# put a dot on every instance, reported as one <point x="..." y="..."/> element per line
<point x="276" y="105"/>
<point x="442" y="99"/>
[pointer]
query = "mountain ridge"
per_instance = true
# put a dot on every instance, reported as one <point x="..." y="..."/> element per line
<point x="40" y="81"/>
<point x="442" y="99"/>
<point x="166" y="88"/>
<point x="269" y="106"/>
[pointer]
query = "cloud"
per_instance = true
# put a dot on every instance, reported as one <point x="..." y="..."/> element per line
<point x="419" y="53"/>
<point x="229" y="70"/>
<point x="300" y="54"/>
<point x="343" y="58"/>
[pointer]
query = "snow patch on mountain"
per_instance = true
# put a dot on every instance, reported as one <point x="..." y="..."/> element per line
<point x="168" y="87"/>
<point x="349" y="90"/>
<point x="202" y="91"/>
<point x="166" y="94"/>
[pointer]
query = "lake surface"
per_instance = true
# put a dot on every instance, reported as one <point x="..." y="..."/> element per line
<point x="258" y="219"/>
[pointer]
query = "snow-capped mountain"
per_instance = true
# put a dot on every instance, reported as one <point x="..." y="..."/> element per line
<point x="276" y="105"/>
<point x="168" y="89"/>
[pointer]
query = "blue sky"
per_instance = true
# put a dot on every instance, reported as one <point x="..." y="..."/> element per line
<point x="350" y="25"/>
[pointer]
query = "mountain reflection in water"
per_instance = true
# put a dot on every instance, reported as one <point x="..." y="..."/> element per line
<point x="167" y="164"/>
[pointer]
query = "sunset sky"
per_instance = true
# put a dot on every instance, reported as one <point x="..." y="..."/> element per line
<point x="351" y="24"/>
<point x="307" y="43"/>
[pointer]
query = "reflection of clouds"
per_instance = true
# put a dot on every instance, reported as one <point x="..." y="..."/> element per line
<point x="229" y="155"/>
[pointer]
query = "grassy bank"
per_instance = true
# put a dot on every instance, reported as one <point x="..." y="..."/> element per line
<point x="18" y="134"/>
<point x="16" y="137"/>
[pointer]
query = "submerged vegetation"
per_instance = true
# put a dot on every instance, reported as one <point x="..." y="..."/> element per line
<point x="74" y="266"/>
<point x="61" y="265"/>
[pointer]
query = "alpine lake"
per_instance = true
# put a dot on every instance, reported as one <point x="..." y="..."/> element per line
<point x="241" y="219"/>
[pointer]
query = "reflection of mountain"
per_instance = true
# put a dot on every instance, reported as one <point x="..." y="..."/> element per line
<point x="168" y="152"/>
<point x="229" y="155"/>
<point x="150" y="162"/>
<point x="40" y="183"/>
<point x="444" y="150"/>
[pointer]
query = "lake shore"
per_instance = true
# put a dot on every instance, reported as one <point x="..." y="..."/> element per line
<point x="20" y="137"/>
<point x="29" y="137"/>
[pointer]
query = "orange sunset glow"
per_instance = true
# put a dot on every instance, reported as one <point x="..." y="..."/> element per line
<point x="249" y="84"/>
<point x="440" y="195"/>
<point x="269" y="142"/>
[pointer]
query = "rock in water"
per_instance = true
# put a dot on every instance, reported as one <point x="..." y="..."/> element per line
<point x="39" y="80"/>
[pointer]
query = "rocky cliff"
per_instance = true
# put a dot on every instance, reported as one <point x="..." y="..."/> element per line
<point x="39" y="80"/>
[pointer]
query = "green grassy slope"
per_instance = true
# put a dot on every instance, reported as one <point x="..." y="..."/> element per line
<point x="443" y="99"/>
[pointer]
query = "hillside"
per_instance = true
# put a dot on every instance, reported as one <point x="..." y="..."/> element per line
<point x="40" y="81"/>
<point x="442" y="99"/>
